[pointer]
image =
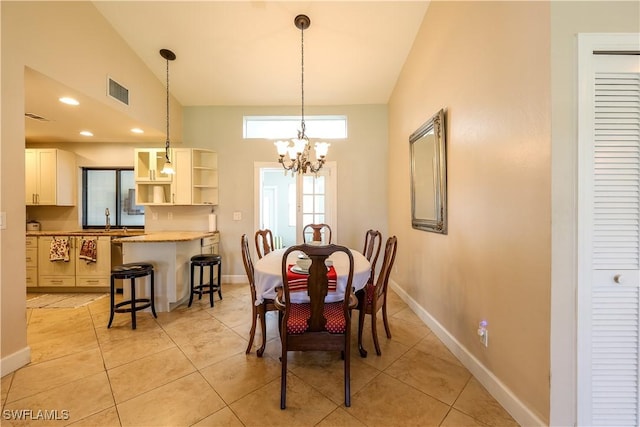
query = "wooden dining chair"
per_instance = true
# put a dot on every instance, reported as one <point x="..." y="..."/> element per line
<point x="264" y="242"/>
<point x="374" y="298"/>
<point x="371" y="251"/>
<point x="257" y="311"/>
<point x="318" y="233"/>
<point x="316" y="325"/>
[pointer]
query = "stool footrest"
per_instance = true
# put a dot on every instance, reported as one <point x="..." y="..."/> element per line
<point x="146" y="303"/>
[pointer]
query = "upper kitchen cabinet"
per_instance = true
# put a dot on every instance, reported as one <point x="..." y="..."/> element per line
<point x="49" y="177"/>
<point x="195" y="181"/>
<point x="148" y="165"/>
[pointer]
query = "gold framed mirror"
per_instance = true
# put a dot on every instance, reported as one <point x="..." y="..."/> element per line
<point x="429" y="175"/>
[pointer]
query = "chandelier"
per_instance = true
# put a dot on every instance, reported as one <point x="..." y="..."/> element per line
<point x="168" y="167"/>
<point x="296" y="157"/>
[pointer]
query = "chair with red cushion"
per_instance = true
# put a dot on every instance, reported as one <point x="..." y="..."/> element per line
<point x="316" y="325"/>
<point x="319" y="233"/>
<point x="374" y="298"/>
<point x="264" y="242"/>
<point x="257" y="311"/>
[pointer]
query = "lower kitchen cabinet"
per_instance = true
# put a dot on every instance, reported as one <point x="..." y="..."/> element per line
<point x="76" y="272"/>
<point x="32" y="261"/>
<point x="94" y="273"/>
<point x="56" y="272"/>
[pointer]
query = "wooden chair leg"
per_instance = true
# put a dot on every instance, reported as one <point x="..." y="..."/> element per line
<point x="361" y="314"/>
<point x="374" y="332"/>
<point x="347" y="375"/>
<point x="384" y="318"/>
<point x="283" y="381"/>
<point x="252" y="333"/>
<point x="263" y="328"/>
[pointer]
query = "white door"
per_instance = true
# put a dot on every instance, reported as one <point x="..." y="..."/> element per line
<point x="608" y="371"/>
<point x="284" y="202"/>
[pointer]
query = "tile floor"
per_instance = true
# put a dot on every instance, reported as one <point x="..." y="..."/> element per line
<point x="189" y="368"/>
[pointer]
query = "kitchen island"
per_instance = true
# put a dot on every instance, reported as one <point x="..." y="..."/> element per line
<point x="170" y="253"/>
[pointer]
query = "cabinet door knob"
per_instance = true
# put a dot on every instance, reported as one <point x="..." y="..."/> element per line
<point x="618" y="279"/>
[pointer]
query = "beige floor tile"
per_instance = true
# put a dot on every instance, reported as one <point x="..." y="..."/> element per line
<point x="107" y="418"/>
<point x="44" y="376"/>
<point x="59" y="345"/>
<point x="408" y="315"/>
<point x="77" y="399"/>
<point x="458" y="419"/>
<point x="232" y="312"/>
<point x="340" y="417"/>
<point x="305" y="405"/>
<point x="6" y="382"/>
<point x="208" y="346"/>
<point x="241" y="374"/>
<point x="324" y="371"/>
<point x="386" y="401"/>
<point x="391" y="350"/>
<point x="120" y="346"/>
<point x="223" y="418"/>
<point x="434" y="376"/>
<point x="433" y="346"/>
<point x="184" y="319"/>
<point x="182" y="402"/>
<point x="142" y="375"/>
<point x="476" y="402"/>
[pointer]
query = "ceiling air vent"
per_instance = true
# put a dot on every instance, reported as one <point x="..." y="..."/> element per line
<point x="117" y="91"/>
<point x="36" y="117"/>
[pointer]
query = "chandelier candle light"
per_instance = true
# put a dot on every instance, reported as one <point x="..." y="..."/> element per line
<point x="299" y="152"/>
<point x="168" y="167"/>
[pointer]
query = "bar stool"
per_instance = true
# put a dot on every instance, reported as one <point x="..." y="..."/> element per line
<point x="203" y="261"/>
<point x="132" y="271"/>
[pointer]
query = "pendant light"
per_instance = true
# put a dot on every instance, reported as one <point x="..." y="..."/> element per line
<point x="299" y="151"/>
<point x="168" y="167"/>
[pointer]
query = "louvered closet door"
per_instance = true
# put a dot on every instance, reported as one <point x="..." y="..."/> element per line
<point x="610" y="316"/>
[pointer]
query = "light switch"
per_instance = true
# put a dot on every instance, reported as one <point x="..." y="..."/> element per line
<point x="237" y="216"/>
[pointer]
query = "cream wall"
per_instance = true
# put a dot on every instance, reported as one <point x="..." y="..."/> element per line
<point x="567" y="20"/>
<point x="488" y="64"/>
<point x="72" y="43"/>
<point x="361" y="163"/>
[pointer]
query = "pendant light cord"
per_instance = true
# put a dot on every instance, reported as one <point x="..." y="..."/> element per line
<point x="167" y="141"/>
<point x="302" y="124"/>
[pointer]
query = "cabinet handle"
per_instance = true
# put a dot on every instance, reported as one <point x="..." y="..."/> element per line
<point x="56" y="281"/>
<point x="618" y="279"/>
<point x="93" y="281"/>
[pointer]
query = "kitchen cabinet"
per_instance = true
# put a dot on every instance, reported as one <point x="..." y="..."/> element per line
<point x="195" y="181"/>
<point x="56" y="273"/>
<point x="76" y="272"/>
<point x="32" y="261"/>
<point x="210" y="245"/>
<point x="50" y="177"/>
<point x="96" y="273"/>
<point x="148" y="165"/>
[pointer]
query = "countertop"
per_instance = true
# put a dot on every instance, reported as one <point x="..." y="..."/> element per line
<point x="166" y="236"/>
<point x="112" y="233"/>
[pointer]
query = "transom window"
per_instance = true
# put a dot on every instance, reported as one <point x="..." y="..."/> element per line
<point x="112" y="189"/>
<point x="286" y="127"/>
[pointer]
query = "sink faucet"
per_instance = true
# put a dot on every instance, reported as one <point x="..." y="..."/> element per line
<point x="107" y="225"/>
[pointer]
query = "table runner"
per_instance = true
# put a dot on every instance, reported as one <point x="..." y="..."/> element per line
<point x="298" y="282"/>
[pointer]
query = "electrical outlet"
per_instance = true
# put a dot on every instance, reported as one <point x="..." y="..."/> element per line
<point x="483" y="332"/>
<point x="3" y="220"/>
<point x="237" y="216"/>
<point x="169" y="216"/>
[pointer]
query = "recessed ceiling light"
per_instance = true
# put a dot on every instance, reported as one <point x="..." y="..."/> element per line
<point x="137" y="130"/>
<point x="68" y="101"/>
<point x="86" y="133"/>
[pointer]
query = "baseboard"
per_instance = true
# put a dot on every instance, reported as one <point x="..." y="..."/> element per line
<point x="509" y="401"/>
<point x="237" y="278"/>
<point x="15" y="361"/>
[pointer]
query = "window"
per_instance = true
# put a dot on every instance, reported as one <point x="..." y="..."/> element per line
<point x="112" y="189"/>
<point x="286" y="127"/>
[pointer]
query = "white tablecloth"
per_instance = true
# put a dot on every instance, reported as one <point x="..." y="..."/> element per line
<point x="268" y="275"/>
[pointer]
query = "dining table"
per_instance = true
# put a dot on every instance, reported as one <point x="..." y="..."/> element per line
<point x="268" y="275"/>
